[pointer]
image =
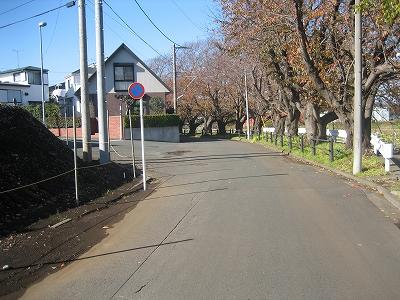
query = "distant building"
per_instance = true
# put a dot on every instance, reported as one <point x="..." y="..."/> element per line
<point x="383" y="112"/>
<point x="122" y="68"/>
<point x="23" y="85"/>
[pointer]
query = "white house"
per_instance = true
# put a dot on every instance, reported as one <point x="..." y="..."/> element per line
<point x="23" y="85"/>
<point x="122" y="68"/>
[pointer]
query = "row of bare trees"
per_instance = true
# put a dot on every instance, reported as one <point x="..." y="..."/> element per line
<point x="299" y="57"/>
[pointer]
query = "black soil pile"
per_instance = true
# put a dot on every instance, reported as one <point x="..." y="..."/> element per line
<point x="30" y="153"/>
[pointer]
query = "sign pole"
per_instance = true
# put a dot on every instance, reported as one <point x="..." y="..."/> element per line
<point x="136" y="91"/>
<point x="132" y="146"/>
<point x="75" y="153"/>
<point x="142" y="140"/>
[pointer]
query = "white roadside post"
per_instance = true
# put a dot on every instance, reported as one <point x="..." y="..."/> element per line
<point x="136" y="91"/>
<point x="75" y="168"/>
<point x="132" y="146"/>
<point x="142" y="141"/>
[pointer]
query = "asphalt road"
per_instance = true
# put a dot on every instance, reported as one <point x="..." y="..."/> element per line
<point x="233" y="220"/>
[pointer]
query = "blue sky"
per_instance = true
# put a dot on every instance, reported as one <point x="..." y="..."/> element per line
<point x="182" y="20"/>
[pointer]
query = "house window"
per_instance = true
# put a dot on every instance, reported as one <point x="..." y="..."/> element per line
<point x="34" y="77"/>
<point x="123" y="77"/>
<point x="7" y="96"/>
<point x="18" y="77"/>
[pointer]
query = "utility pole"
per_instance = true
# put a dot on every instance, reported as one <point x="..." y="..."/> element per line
<point x="42" y="24"/>
<point x="357" y="128"/>
<point x="101" y="104"/>
<point x="174" y="75"/>
<point x="86" y="147"/>
<point x="247" y="106"/>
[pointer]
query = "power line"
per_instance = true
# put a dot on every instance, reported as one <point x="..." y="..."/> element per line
<point x="184" y="14"/>
<point x="14" y="8"/>
<point x="69" y="4"/>
<point x="130" y="28"/>
<point x="108" y="26"/>
<point x="54" y="31"/>
<point x="156" y="25"/>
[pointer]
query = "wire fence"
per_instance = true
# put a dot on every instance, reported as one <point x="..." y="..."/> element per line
<point x="300" y="142"/>
<point x="76" y="169"/>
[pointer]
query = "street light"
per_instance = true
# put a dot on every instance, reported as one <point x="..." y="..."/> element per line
<point x="42" y="24"/>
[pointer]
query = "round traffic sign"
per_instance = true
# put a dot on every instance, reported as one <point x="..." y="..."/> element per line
<point x="136" y="90"/>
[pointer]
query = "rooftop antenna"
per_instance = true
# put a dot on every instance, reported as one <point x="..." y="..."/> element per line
<point x="17" y="51"/>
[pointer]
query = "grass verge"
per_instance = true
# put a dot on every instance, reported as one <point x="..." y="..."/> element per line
<point x="343" y="159"/>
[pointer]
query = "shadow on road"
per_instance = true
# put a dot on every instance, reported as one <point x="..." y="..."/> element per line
<point x="210" y="157"/>
<point x="97" y="255"/>
<point x="223" y="179"/>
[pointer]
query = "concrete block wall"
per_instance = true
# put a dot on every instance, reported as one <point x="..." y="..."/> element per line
<point x="115" y="128"/>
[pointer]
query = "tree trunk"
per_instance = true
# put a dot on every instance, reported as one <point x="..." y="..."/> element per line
<point x="311" y="121"/>
<point x="221" y="127"/>
<point x="367" y="117"/>
<point x="323" y="123"/>
<point x="366" y="142"/>
<point x="258" y="124"/>
<point x="348" y="127"/>
<point x="292" y="122"/>
<point x="192" y="126"/>
<point x="279" y="124"/>
<point x="239" y="121"/>
<point x="207" y="125"/>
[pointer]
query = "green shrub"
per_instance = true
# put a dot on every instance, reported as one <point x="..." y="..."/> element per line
<point x="52" y="112"/>
<point x="153" y="121"/>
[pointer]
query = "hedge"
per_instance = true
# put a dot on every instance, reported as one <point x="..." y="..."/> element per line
<point x="53" y="118"/>
<point x="154" y="121"/>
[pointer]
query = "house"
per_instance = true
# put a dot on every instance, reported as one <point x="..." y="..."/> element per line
<point x="122" y="68"/>
<point x="384" y="112"/>
<point x="23" y="85"/>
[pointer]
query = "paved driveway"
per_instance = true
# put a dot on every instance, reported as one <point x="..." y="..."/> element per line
<point x="235" y="221"/>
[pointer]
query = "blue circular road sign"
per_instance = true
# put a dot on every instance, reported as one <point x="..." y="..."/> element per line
<point x="136" y="90"/>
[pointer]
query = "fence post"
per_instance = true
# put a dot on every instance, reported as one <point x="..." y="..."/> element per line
<point x="331" y="156"/>
<point x="313" y="144"/>
<point x="271" y="136"/>
<point x="290" y="143"/>
<point x="281" y="140"/>
<point x="75" y="168"/>
<point x="276" y="139"/>
<point x="302" y="143"/>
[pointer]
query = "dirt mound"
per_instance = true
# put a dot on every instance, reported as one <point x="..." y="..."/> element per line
<point x="30" y="153"/>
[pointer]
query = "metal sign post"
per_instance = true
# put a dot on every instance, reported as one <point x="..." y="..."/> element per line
<point x="142" y="140"/>
<point x="136" y="91"/>
<point x="132" y="147"/>
<point x="75" y="168"/>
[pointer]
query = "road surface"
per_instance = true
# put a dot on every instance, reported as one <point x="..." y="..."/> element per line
<point x="233" y="220"/>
